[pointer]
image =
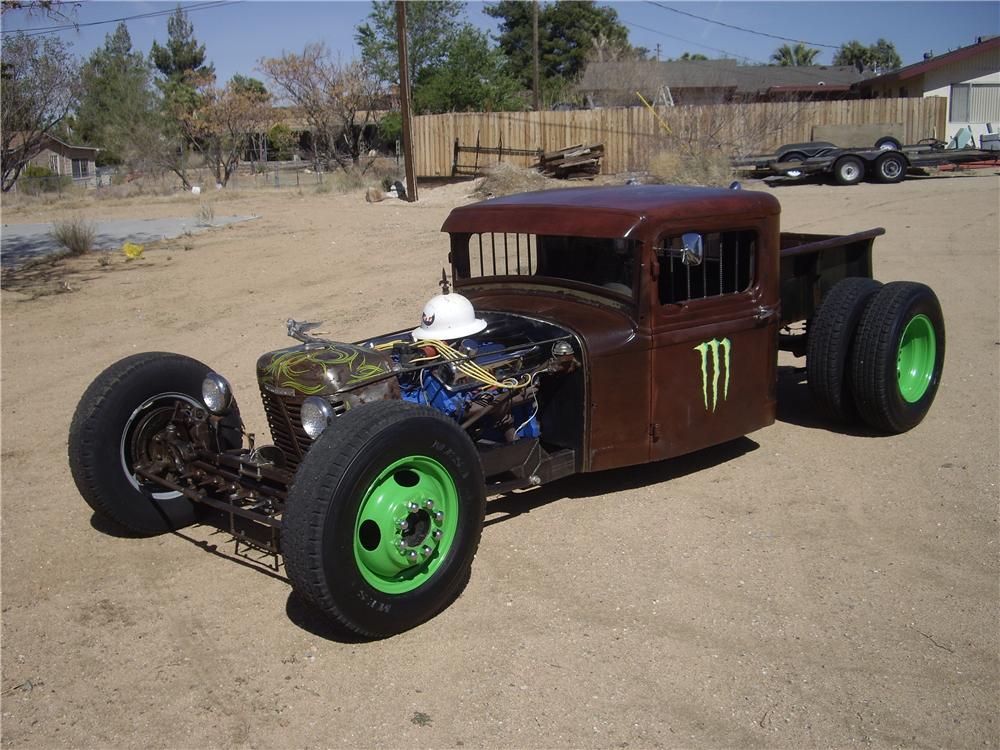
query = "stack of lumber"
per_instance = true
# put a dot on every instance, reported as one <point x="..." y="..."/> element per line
<point x="574" y="162"/>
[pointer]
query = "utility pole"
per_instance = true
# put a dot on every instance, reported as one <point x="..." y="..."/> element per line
<point x="534" y="47"/>
<point x="657" y="52"/>
<point x="404" y="100"/>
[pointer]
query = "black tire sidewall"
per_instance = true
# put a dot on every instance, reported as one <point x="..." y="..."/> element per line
<point x="829" y="346"/>
<point x="902" y="414"/>
<point x="96" y="434"/>
<point x="880" y="167"/>
<point x="896" y="145"/>
<point x="369" y="609"/>
<point x="838" y="166"/>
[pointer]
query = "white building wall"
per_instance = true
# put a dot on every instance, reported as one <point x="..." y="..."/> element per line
<point x="982" y="68"/>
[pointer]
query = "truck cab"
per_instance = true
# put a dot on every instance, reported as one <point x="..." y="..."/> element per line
<point x="673" y="292"/>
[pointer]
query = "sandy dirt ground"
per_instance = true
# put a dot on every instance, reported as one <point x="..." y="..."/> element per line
<point x="805" y="586"/>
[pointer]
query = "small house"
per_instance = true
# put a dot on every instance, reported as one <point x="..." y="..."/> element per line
<point x="968" y="77"/>
<point x="61" y="158"/>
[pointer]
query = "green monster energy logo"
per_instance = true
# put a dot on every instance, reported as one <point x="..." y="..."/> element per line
<point x="713" y="346"/>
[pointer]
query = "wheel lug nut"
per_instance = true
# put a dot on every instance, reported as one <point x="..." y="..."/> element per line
<point x="426" y="550"/>
<point x="438" y="516"/>
<point x="402" y="524"/>
<point x="412" y="554"/>
<point x="412" y="505"/>
<point x="428" y="503"/>
<point x="437" y="535"/>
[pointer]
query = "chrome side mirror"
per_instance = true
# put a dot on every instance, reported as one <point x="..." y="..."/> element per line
<point x="692" y="253"/>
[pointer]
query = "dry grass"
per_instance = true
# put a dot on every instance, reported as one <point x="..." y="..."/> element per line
<point x="205" y="214"/>
<point x="691" y="167"/>
<point x="505" y="179"/>
<point x="77" y="235"/>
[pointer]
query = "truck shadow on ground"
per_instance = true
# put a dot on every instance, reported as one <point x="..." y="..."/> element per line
<point x="797" y="406"/>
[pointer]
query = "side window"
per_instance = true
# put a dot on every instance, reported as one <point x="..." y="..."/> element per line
<point x="728" y="267"/>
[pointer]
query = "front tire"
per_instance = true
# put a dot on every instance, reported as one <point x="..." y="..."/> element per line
<point x="384" y="517"/>
<point x="898" y="356"/>
<point x="115" y="425"/>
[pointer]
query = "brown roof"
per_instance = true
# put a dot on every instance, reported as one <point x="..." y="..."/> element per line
<point x="985" y="44"/>
<point x="614" y="211"/>
<point x="650" y="75"/>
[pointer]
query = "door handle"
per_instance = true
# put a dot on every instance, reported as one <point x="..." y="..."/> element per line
<point x="763" y="313"/>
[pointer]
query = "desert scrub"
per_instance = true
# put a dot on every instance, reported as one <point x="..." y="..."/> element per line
<point x="76" y="235"/>
<point x="692" y="166"/>
<point x="206" y="214"/>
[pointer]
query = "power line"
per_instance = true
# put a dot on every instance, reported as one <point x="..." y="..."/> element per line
<point x="741" y="28"/>
<point x="805" y="72"/>
<point x="727" y="53"/>
<point x="166" y="12"/>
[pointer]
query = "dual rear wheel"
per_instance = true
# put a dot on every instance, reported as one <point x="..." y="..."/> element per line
<point x="876" y="353"/>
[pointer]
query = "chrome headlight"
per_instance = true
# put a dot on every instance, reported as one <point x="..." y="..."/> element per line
<point x="216" y="393"/>
<point x="315" y="414"/>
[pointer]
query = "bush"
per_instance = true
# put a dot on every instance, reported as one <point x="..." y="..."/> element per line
<point x="693" y="166"/>
<point x="206" y="214"/>
<point x="35" y="180"/>
<point x="76" y="235"/>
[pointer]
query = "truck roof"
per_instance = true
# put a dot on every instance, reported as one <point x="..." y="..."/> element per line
<point x="614" y="211"/>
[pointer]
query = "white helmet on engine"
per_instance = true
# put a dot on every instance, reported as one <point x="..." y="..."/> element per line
<point x="446" y="317"/>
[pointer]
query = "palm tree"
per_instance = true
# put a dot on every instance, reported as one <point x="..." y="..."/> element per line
<point x="798" y="55"/>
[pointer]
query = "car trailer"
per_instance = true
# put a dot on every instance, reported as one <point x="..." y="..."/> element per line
<point x="887" y="162"/>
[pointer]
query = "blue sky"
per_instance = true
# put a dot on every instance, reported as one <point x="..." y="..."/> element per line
<point x="238" y="35"/>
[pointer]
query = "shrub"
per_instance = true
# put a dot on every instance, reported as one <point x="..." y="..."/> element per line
<point x="206" y="214"/>
<point x="692" y="166"/>
<point x="76" y="235"/>
<point x="35" y="179"/>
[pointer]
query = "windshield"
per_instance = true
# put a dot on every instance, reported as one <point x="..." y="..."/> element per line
<point x="607" y="263"/>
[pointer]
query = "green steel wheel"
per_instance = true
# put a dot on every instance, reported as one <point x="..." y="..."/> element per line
<point x="898" y="356"/>
<point x="406" y="524"/>
<point x="384" y="518"/>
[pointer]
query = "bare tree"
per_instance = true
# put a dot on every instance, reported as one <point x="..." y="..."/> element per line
<point x="337" y="99"/>
<point x="222" y="127"/>
<point x="39" y="87"/>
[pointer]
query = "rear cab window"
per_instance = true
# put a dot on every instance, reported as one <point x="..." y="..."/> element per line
<point x="608" y="265"/>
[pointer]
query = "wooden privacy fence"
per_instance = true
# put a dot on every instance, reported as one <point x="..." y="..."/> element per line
<point x="632" y="136"/>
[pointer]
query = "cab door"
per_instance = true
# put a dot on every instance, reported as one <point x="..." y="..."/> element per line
<point x="714" y="337"/>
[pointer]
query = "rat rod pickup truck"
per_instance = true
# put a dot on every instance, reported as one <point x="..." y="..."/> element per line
<point x="592" y="328"/>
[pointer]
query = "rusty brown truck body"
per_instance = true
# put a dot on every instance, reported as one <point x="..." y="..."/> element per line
<point x="610" y="327"/>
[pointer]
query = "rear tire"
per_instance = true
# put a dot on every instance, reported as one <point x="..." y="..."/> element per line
<point x="890" y="168"/>
<point x="848" y="170"/>
<point x="353" y="544"/>
<point x="898" y="356"/>
<point x="831" y="333"/>
<point x="116" y="418"/>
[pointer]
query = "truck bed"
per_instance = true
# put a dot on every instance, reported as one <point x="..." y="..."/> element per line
<point x="812" y="263"/>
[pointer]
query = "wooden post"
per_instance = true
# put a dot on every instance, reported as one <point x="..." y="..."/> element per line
<point x="404" y="99"/>
<point x="534" y="47"/>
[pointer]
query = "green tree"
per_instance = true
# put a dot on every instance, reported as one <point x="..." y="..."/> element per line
<point x="799" y="55"/>
<point x="184" y="74"/>
<point x="881" y="56"/>
<point x="116" y="99"/>
<point x="473" y="77"/>
<point x="567" y="31"/>
<point x="39" y="82"/>
<point x="431" y="27"/>
<point x="693" y="56"/>
<point x="182" y="61"/>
